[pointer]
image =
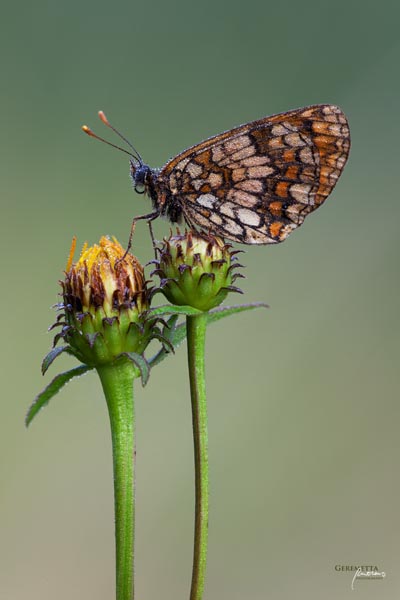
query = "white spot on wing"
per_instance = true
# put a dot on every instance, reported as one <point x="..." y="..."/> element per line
<point x="194" y="170"/>
<point x="258" y="237"/>
<point x="200" y="219"/>
<point x="218" y="154"/>
<point x="236" y="144"/>
<point x="243" y="153"/>
<point x="248" y="217"/>
<point x="251" y="185"/>
<point x="260" y="171"/>
<point x="215" y="218"/>
<point x="226" y="208"/>
<point x="215" y="180"/>
<point x="294" y="140"/>
<point x="301" y="192"/>
<point x="197" y="183"/>
<point x="306" y="156"/>
<point x="182" y="164"/>
<point x="254" y="161"/>
<point x="279" y="130"/>
<point x="286" y="230"/>
<point x="294" y="212"/>
<point x="232" y="227"/>
<point x="238" y="174"/>
<point x="206" y="200"/>
<point x="242" y="198"/>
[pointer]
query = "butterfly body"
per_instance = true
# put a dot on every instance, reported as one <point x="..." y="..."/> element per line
<point x="255" y="183"/>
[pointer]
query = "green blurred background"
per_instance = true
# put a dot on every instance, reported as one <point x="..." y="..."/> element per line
<point x="303" y="399"/>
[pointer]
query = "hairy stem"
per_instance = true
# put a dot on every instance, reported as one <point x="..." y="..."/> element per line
<point x="117" y="381"/>
<point x="196" y="331"/>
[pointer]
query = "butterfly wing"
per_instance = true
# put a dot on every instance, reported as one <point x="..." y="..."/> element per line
<point x="255" y="184"/>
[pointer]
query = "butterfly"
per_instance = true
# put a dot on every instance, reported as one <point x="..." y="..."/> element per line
<point x="253" y="184"/>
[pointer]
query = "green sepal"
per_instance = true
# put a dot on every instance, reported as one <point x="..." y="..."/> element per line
<point x="52" y="355"/>
<point x="51" y="390"/>
<point x="168" y="347"/>
<point x="174" y="335"/>
<point x="141" y="363"/>
<point x="170" y="325"/>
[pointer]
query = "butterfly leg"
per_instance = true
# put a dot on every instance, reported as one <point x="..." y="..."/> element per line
<point x="149" y="217"/>
<point x="153" y="240"/>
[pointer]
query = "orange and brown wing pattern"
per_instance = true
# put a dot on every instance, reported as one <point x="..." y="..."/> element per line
<point x="255" y="184"/>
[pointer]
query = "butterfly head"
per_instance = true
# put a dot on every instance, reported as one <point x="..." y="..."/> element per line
<point x="141" y="176"/>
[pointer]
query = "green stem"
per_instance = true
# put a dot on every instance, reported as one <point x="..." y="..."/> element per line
<point x="117" y="381"/>
<point x="196" y="332"/>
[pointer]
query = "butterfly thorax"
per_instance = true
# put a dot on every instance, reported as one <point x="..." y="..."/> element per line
<point x="149" y="181"/>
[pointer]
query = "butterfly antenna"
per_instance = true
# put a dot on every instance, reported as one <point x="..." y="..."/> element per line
<point x="91" y="133"/>
<point x="104" y="120"/>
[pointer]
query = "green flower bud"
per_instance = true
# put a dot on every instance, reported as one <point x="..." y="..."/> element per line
<point x="104" y="306"/>
<point x="196" y="270"/>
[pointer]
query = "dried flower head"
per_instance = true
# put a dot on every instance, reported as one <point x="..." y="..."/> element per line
<point x="105" y="299"/>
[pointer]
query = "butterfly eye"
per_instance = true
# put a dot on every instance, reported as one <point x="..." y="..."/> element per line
<point x="140" y="188"/>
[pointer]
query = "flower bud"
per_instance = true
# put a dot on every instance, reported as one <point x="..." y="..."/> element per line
<point x="196" y="270"/>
